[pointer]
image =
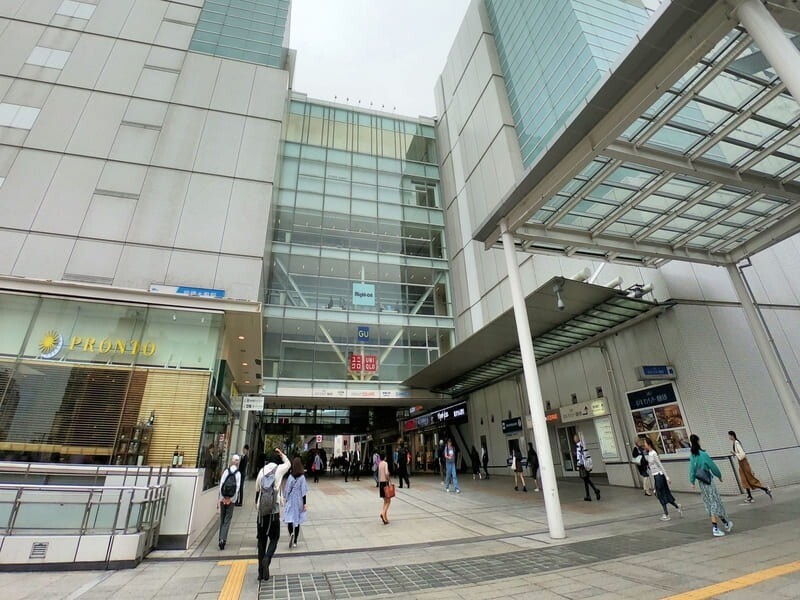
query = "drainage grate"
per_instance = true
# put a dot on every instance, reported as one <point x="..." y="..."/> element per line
<point x="39" y="549"/>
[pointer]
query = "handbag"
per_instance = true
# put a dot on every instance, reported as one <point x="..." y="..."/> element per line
<point x="388" y="491"/>
<point x="702" y="474"/>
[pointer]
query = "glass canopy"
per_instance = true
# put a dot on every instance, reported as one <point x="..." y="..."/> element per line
<point x="706" y="169"/>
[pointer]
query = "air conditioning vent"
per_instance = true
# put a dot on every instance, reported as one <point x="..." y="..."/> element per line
<point x="39" y="550"/>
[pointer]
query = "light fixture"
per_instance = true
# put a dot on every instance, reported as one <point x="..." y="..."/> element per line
<point x="247" y="381"/>
<point x="244" y="364"/>
<point x="241" y="337"/>
<point x="557" y="289"/>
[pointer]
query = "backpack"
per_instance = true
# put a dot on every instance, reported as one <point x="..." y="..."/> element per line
<point x="229" y="485"/>
<point x="267" y="498"/>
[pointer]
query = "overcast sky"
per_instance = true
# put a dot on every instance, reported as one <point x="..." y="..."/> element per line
<point x="388" y="52"/>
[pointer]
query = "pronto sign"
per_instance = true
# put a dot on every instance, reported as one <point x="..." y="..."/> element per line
<point x="53" y="343"/>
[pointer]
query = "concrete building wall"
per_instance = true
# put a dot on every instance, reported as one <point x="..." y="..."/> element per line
<point x="133" y="161"/>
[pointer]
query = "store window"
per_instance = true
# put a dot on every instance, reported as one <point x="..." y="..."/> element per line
<point x="657" y="415"/>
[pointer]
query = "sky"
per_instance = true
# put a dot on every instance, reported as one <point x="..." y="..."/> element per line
<point x="385" y="52"/>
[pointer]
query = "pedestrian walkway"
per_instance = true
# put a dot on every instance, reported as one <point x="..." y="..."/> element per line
<point x="488" y="542"/>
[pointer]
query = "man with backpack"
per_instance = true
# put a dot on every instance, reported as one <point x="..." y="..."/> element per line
<point x="268" y="510"/>
<point x="229" y="486"/>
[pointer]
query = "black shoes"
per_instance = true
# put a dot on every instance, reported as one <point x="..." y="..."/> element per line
<point x="524" y="489"/>
<point x="516" y="489"/>
<point x="587" y="499"/>
<point x="597" y="493"/>
<point x="222" y="545"/>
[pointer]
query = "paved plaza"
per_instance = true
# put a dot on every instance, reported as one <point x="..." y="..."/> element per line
<point x="488" y="542"/>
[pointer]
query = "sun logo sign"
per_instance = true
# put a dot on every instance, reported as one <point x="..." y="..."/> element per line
<point x="51" y="344"/>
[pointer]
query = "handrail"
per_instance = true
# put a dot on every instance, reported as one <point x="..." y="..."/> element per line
<point x="143" y="504"/>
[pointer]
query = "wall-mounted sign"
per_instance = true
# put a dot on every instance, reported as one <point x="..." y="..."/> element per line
<point x="584" y="410"/>
<point x="552" y="416"/>
<point x="511" y="425"/>
<point x="370" y="363"/>
<point x="652" y="396"/>
<point x="185" y="290"/>
<point x="647" y="372"/>
<point x="363" y="333"/>
<point x="319" y="439"/>
<point x="454" y="413"/>
<point x="363" y="294"/>
<point x="356" y="362"/>
<point x="657" y="414"/>
<point x="254" y="403"/>
<point x="52" y="343"/>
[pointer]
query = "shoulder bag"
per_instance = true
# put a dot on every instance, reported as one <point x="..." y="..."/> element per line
<point x="388" y="491"/>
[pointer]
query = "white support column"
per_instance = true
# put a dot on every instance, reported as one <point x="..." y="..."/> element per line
<point x="771" y="39"/>
<point x="552" y="504"/>
<point x="776" y="374"/>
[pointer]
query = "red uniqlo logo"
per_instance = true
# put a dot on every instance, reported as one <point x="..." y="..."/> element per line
<point x="356" y="362"/>
<point x="370" y="362"/>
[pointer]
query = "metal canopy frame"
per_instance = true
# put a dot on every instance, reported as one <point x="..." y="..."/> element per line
<point x="689" y="150"/>
<point x="590" y="313"/>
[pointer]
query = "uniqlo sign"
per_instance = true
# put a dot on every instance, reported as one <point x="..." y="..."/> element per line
<point x="356" y="362"/>
<point x="371" y="362"/>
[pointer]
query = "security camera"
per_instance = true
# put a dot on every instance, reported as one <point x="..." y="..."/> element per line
<point x="559" y="302"/>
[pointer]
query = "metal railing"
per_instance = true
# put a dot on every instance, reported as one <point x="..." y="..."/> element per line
<point x="81" y="510"/>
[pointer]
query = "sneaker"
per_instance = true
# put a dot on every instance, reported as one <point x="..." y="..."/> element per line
<point x="447" y="489"/>
<point x="749" y="499"/>
<point x="666" y="518"/>
<point x="535" y="489"/>
<point x="717" y="532"/>
<point x="769" y="493"/>
<point x="729" y="525"/>
<point x="680" y="509"/>
<point x="458" y="491"/>
<point x="516" y="489"/>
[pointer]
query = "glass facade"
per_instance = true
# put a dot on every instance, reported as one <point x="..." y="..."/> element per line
<point x="358" y="295"/>
<point x="249" y="30"/>
<point x="553" y="53"/>
<point x="77" y="378"/>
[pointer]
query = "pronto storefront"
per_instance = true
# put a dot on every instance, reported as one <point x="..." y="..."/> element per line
<point x="103" y="383"/>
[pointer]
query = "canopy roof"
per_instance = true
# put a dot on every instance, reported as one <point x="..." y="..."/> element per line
<point x="589" y="313"/>
<point x="688" y="150"/>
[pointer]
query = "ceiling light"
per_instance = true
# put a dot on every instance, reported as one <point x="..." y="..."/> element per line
<point x="241" y="337"/>
<point x="247" y="381"/>
<point x="244" y="364"/>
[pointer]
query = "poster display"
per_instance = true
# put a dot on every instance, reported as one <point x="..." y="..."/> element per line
<point x="657" y="415"/>
<point x="605" y="436"/>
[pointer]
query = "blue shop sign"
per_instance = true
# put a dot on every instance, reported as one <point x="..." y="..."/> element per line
<point x="511" y="425"/>
<point x="363" y="333"/>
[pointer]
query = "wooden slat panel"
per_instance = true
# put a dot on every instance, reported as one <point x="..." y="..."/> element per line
<point x="179" y="399"/>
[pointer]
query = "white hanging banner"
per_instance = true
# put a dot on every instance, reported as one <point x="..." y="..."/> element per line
<point x="253" y="403"/>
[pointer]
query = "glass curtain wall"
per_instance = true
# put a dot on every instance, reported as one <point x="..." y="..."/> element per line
<point x="553" y="53"/>
<point x="358" y="291"/>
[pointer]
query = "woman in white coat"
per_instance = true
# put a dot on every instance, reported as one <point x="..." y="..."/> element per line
<point x="294" y="512"/>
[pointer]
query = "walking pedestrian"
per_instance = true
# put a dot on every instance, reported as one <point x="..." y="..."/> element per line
<point x="582" y="459"/>
<point x="442" y="461"/>
<point x="268" y="526"/>
<point x="533" y="463"/>
<point x="230" y="485"/>
<point x="516" y="466"/>
<point x="703" y="469"/>
<point x="402" y="466"/>
<point x="244" y="460"/>
<point x="746" y="475"/>
<point x="316" y="466"/>
<point x="376" y="462"/>
<point x="384" y="482"/>
<point x="640" y="460"/>
<point x="450" y="467"/>
<point x="476" y="464"/>
<point x="661" y="480"/>
<point x="294" y="512"/>
<point x="355" y="464"/>
<point x="485" y="460"/>
<point x="345" y="465"/>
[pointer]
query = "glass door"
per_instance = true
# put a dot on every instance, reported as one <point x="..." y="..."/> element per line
<point x="567" y="448"/>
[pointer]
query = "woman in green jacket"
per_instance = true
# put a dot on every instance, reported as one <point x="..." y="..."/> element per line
<point x="699" y="462"/>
